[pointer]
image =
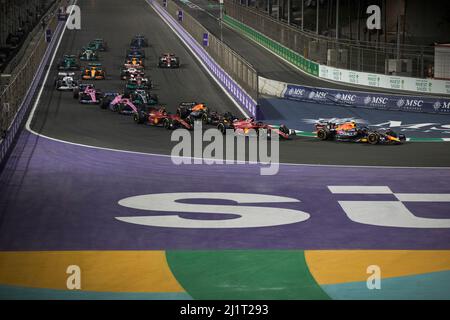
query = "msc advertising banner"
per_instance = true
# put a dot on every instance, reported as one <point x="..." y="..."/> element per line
<point x="367" y="100"/>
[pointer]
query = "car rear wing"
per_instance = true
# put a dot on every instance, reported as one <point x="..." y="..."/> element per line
<point x="66" y="74"/>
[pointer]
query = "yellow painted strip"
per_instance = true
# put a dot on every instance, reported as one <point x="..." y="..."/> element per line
<point x="109" y="271"/>
<point x="340" y="266"/>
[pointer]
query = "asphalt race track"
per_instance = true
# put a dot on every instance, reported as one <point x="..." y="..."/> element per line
<point x="308" y="232"/>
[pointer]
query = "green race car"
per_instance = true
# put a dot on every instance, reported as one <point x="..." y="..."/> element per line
<point x="137" y="83"/>
<point x="68" y="63"/>
<point x="143" y="97"/>
<point x="88" y="55"/>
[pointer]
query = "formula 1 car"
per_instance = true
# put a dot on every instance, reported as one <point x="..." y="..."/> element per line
<point x="65" y="81"/>
<point x="134" y="62"/>
<point x="136" y="83"/>
<point x="128" y="73"/>
<point x="168" y="60"/>
<point x="139" y="98"/>
<point x="139" y="41"/>
<point x="160" y="117"/>
<point x="193" y="111"/>
<point x="134" y="52"/>
<point x="68" y="63"/>
<point x="122" y="105"/>
<point x="93" y="71"/>
<point x="98" y="45"/>
<point x="88" y="55"/>
<point x="143" y="97"/>
<point x="243" y="126"/>
<point x="214" y="118"/>
<point x="349" y="130"/>
<point x="87" y="94"/>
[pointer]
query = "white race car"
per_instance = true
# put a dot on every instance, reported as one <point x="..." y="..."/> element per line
<point x="65" y="81"/>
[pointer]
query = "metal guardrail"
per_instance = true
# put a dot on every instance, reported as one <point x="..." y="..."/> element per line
<point x="361" y="56"/>
<point x="13" y="95"/>
<point x="235" y="65"/>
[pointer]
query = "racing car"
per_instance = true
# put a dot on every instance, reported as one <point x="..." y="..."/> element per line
<point x="134" y="52"/>
<point x="139" y="98"/>
<point x="88" y="55"/>
<point x="87" y="94"/>
<point x="128" y="73"/>
<point x="138" y="41"/>
<point x="243" y="126"/>
<point x="68" y="63"/>
<point x="136" y="83"/>
<point x="65" y="81"/>
<point x="214" y="118"/>
<point x="168" y="60"/>
<point x="93" y="71"/>
<point x="134" y="62"/>
<point x="349" y="130"/>
<point x="160" y="117"/>
<point x="98" y="45"/>
<point x="143" y="97"/>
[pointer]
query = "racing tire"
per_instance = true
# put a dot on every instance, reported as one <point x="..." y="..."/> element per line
<point x="284" y="129"/>
<point x="373" y="138"/>
<point x="205" y="119"/>
<point x="168" y="124"/>
<point x="222" y="128"/>
<point x="76" y="93"/>
<point x="138" y="118"/>
<point x="322" y="134"/>
<point x="104" y="103"/>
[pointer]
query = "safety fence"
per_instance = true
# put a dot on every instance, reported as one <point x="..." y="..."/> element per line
<point x="363" y="56"/>
<point x="236" y="66"/>
<point x="15" y="98"/>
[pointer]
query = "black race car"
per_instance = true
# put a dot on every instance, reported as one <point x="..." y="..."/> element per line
<point x="134" y="52"/>
<point x="168" y="60"/>
<point x="139" y="41"/>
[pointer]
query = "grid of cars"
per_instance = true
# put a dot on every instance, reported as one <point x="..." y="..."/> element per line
<point x="138" y="99"/>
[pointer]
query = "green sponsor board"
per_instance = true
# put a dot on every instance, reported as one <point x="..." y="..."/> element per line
<point x="280" y="50"/>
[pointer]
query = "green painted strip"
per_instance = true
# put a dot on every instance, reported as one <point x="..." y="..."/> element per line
<point x="244" y="274"/>
<point x="297" y="59"/>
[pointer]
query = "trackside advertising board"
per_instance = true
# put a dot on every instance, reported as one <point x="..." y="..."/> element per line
<point x="367" y="100"/>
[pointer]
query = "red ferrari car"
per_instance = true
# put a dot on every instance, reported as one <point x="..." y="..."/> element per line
<point x="243" y="126"/>
<point x="160" y="117"/>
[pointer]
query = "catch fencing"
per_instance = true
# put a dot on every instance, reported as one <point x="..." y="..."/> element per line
<point x="362" y="56"/>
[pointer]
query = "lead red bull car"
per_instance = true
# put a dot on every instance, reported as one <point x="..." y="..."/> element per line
<point x="245" y="126"/>
<point x="350" y="131"/>
<point x="87" y="94"/>
<point x="160" y="117"/>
